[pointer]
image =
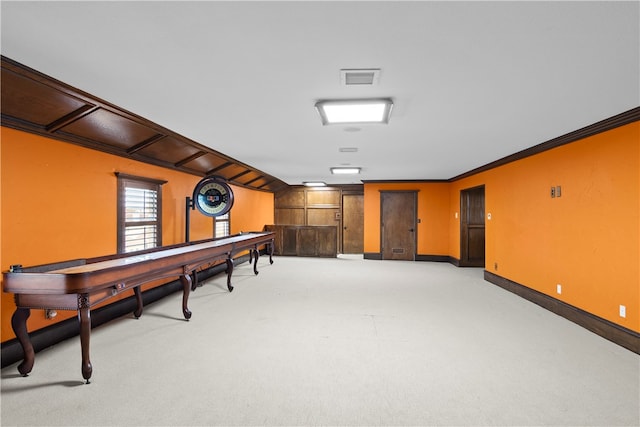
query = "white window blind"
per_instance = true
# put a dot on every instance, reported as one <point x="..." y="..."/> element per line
<point x="139" y="213"/>
<point x="222" y="227"/>
<point x="141" y="219"/>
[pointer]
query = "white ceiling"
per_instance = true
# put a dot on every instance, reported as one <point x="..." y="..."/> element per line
<point x="472" y="82"/>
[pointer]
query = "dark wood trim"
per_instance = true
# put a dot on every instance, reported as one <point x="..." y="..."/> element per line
<point x="268" y="183"/>
<point x="433" y="258"/>
<point x="219" y="168"/>
<point x="235" y="177"/>
<point x="373" y="255"/>
<point x="140" y="178"/>
<point x="606" y="329"/>
<point x="254" y="180"/>
<point x="422" y="258"/>
<point x="71" y="117"/>
<point x="439" y="258"/>
<point x="190" y="158"/>
<point x="605" y="125"/>
<point x="400" y="181"/>
<point x="144" y="144"/>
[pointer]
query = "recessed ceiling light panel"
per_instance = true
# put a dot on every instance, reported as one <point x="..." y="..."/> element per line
<point x="355" y="111"/>
<point x="345" y="170"/>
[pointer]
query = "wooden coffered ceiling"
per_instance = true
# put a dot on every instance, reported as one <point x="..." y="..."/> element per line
<point x="36" y="103"/>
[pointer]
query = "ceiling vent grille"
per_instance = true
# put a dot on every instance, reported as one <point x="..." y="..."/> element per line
<point x="359" y="77"/>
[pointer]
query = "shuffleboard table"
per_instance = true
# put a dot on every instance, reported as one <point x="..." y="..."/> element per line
<point x="83" y="283"/>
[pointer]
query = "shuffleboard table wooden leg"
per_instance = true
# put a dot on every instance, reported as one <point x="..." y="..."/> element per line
<point x="84" y="316"/>
<point x="194" y="280"/>
<point x="229" y="273"/>
<point x="271" y="245"/>
<point x="255" y="262"/>
<point x="138" y="293"/>
<point x="186" y="289"/>
<point x="19" y="325"/>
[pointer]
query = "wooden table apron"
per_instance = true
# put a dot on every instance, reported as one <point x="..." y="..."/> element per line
<point x="83" y="286"/>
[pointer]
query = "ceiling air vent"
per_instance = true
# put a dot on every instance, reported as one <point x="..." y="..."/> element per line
<point x="359" y="76"/>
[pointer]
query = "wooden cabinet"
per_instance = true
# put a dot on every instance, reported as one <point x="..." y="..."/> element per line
<point x="315" y="207"/>
<point x="305" y="240"/>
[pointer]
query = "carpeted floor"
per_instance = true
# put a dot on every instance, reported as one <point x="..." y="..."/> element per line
<point x="343" y="341"/>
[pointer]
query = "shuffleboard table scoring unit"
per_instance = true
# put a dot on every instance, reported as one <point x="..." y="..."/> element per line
<point x="81" y="284"/>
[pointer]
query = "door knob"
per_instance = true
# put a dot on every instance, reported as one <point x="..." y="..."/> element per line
<point x="411" y="230"/>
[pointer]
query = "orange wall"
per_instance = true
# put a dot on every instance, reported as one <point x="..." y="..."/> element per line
<point x="59" y="203"/>
<point x="252" y="210"/>
<point x="587" y="240"/>
<point x="433" y="201"/>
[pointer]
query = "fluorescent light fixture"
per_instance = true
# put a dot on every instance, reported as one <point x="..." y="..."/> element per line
<point x="345" y="171"/>
<point x="314" y="184"/>
<point x="355" y="111"/>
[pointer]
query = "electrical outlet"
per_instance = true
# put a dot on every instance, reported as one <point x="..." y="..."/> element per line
<point x="553" y="192"/>
<point x="559" y="289"/>
<point x="623" y="311"/>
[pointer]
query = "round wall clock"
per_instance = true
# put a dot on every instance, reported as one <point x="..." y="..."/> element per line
<point x="213" y="196"/>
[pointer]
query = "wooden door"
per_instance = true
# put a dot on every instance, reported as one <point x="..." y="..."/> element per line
<point x="398" y="225"/>
<point x="472" y="233"/>
<point x="353" y="224"/>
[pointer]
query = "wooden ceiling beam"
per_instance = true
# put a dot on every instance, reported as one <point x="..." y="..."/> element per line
<point x="219" y="168"/>
<point x="233" y="178"/>
<point x="254" y="180"/>
<point x="71" y="117"/>
<point x="145" y="144"/>
<point x="190" y="158"/>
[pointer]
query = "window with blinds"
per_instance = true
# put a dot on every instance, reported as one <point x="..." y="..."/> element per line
<point x="139" y="213"/>
<point x="222" y="227"/>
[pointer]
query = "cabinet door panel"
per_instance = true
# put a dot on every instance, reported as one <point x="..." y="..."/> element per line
<point x="289" y="241"/>
<point x="326" y="242"/>
<point x="307" y="238"/>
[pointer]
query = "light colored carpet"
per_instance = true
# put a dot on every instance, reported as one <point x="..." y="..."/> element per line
<point x="345" y="341"/>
